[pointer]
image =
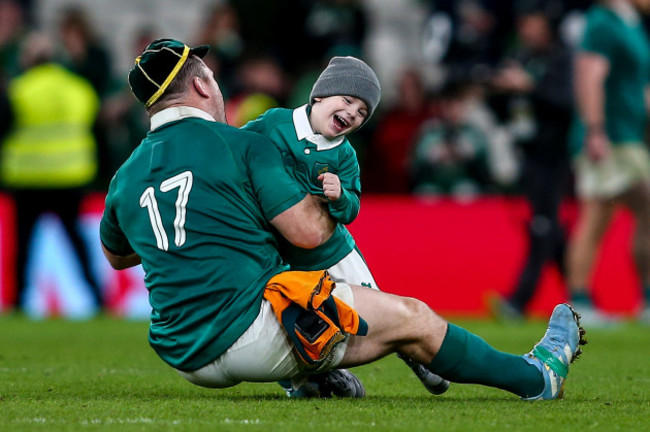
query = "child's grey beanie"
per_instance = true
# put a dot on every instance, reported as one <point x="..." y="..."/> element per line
<point x="351" y="77"/>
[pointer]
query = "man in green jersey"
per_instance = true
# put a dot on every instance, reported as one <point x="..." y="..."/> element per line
<point x="607" y="139"/>
<point x="195" y="205"/>
<point x="314" y="146"/>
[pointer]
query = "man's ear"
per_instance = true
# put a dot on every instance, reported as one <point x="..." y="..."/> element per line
<point x="199" y="86"/>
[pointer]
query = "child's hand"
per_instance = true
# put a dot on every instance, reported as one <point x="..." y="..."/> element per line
<point x="331" y="185"/>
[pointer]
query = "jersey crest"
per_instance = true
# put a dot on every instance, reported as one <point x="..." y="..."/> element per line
<point x="320" y="168"/>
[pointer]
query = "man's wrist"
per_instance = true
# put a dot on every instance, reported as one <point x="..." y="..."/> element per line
<point x="594" y="128"/>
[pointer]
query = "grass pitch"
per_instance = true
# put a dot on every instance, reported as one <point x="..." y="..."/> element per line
<point x="101" y="375"/>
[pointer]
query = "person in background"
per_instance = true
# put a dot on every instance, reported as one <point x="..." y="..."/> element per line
<point x="12" y="30"/>
<point x="335" y="26"/>
<point x="386" y="168"/>
<point x="85" y="54"/>
<point x="261" y="84"/>
<point x="449" y="155"/>
<point x="537" y="82"/>
<point x="128" y="120"/>
<point x="612" y="72"/>
<point x="468" y="37"/>
<point x="48" y="155"/>
<point x="221" y="30"/>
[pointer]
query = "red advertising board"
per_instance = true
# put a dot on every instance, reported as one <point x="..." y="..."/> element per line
<point x="450" y="254"/>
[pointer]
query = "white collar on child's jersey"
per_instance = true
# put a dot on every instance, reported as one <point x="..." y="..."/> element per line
<point x="304" y="131"/>
<point x="177" y="113"/>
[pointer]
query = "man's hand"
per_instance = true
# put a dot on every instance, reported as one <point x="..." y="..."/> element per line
<point x="514" y="78"/>
<point x="331" y="185"/>
<point x="597" y="145"/>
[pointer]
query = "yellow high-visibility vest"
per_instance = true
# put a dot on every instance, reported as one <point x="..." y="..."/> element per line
<point x="51" y="144"/>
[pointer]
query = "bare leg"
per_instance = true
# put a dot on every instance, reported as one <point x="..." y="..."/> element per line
<point x="637" y="199"/>
<point x="594" y="218"/>
<point x="396" y="324"/>
<point x="409" y="327"/>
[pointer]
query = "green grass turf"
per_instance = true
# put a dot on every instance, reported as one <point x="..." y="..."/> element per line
<point x="101" y="375"/>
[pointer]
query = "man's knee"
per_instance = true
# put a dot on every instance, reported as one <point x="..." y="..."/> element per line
<point x="413" y="309"/>
<point x="399" y="317"/>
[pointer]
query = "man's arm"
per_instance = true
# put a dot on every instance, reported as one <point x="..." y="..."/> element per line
<point x="590" y="73"/>
<point x="119" y="262"/>
<point x="306" y="224"/>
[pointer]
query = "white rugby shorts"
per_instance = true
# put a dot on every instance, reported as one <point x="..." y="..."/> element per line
<point x="263" y="353"/>
<point x="626" y="166"/>
<point x="353" y="270"/>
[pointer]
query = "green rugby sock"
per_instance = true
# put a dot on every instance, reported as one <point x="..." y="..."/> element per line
<point x="466" y="358"/>
<point x="580" y="298"/>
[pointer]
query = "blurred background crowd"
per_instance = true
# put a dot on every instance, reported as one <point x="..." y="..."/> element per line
<point x="462" y="80"/>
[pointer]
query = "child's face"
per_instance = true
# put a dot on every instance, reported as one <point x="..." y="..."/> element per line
<point x="337" y="115"/>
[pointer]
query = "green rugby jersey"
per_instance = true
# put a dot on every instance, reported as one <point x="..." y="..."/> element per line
<point x="625" y="45"/>
<point x="194" y="201"/>
<point x="307" y="155"/>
